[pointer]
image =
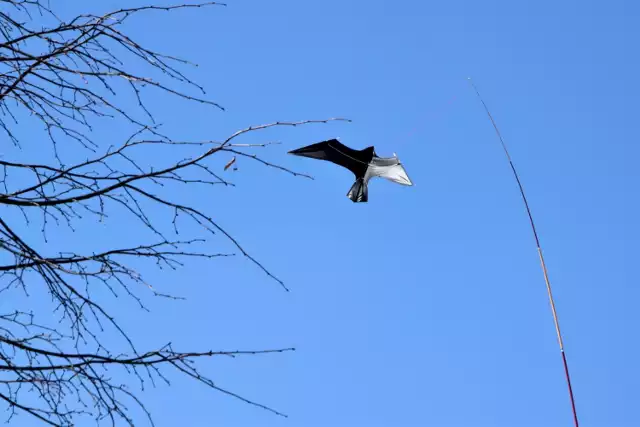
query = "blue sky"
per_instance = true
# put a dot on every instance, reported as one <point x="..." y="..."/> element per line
<point x="425" y="306"/>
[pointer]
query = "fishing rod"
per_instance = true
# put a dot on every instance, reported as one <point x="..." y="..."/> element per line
<point x="542" y="263"/>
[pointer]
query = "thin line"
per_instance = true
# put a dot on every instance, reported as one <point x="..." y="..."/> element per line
<point x="360" y="161"/>
<point x="346" y="155"/>
<point x="542" y="263"/>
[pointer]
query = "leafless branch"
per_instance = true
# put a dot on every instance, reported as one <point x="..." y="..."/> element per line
<point x="63" y="77"/>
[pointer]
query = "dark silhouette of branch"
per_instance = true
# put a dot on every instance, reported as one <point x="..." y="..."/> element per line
<point x="62" y="76"/>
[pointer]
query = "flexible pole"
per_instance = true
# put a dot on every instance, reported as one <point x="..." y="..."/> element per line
<point x="542" y="263"/>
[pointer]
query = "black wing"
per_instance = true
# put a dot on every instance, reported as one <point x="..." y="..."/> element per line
<point x="333" y="151"/>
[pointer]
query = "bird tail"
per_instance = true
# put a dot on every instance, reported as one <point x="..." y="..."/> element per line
<point x="359" y="191"/>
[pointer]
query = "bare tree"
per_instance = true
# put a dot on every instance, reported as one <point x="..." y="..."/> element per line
<point x="65" y="75"/>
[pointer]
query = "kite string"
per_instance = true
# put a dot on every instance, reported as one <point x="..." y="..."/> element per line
<point x="544" y="267"/>
<point x="357" y="160"/>
<point x="346" y="155"/>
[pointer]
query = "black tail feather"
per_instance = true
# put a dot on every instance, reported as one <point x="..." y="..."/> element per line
<point x="359" y="191"/>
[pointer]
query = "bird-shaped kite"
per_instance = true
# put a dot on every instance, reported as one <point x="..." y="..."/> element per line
<point x="364" y="164"/>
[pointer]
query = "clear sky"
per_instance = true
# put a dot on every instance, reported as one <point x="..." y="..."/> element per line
<point x="425" y="306"/>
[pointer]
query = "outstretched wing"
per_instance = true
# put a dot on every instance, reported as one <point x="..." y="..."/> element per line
<point x="389" y="168"/>
<point x="334" y="151"/>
